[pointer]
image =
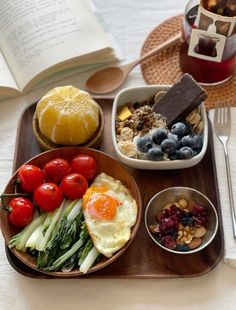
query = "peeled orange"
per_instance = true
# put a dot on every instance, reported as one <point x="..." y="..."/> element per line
<point x="67" y="115"/>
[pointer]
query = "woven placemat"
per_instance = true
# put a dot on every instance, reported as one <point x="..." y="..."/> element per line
<point x="164" y="68"/>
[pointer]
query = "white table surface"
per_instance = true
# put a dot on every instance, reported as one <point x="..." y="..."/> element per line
<point x="130" y="22"/>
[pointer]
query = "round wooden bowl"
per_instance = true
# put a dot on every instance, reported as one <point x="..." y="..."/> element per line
<point x="104" y="164"/>
<point x="46" y="144"/>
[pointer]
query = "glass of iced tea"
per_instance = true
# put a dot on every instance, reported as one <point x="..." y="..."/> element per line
<point x="205" y="71"/>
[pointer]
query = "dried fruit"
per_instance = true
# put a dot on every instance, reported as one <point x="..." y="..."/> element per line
<point x="179" y="225"/>
<point x="169" y="242"/>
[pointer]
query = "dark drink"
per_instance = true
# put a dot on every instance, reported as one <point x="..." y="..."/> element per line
<point x="222" y="7"/>
<point x="205" y="71"/>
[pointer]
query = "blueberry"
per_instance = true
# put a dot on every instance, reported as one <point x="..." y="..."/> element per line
<point x="175" y="138"/>
<point x="173" y="232"/>
<point x="174" y="156"/>
<point x="189" y="128"/>
<point x="187" y="220"/>
<point x="144" y="144"/>
<point x="180" y="129"/>
<point x="168" y="146"/>
<point x="159" y="135"/>
<point x="185" y="152"/>
<point x="182" y="248"/>
<point x="198" y="141"/>
<point x="188" y="141"/>
<point x="155" y="153"/>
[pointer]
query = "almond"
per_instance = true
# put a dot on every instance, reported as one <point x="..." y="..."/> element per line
<point x="195" y="243"/>
<point x="200" y="232"/>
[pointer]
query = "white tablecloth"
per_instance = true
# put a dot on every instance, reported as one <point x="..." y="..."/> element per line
<point x="130" y="22"/>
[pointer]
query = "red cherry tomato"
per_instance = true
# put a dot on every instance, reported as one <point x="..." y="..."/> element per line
<point x="21" y="212"/>
<point x="56" y="169"/>
<point x="30" y="177"/>
<point x="74" y="185"/>
<point x="85" y="165"/>
<point x="48" y="196"/>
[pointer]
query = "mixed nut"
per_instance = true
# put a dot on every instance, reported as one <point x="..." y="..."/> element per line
<point x="181" y="225"/>
<point x="142" y="133"/>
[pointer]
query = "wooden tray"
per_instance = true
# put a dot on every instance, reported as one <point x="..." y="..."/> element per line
<point x="143" y="259"/>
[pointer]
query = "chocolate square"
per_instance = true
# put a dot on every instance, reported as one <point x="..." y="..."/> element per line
<point x="181" y="99"/>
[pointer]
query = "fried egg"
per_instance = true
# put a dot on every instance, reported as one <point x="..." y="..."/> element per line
<point x="110" y="212"/>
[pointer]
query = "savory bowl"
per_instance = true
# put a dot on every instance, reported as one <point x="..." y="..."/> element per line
<point x="143" y="93"/>
<point x="46" y="144"/>
<point x="105" y="164"/>
<point x="194" y="233"/>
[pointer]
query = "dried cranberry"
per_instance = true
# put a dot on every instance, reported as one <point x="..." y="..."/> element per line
<point x="199" y="209"/>
<point x="174" y="210"/>
<point x="200" y="220"/>
<point x="200" y="214"/>
<point x="165" y="213"/>
<point x="167" y="224"/>
<point x="169" y="242"/>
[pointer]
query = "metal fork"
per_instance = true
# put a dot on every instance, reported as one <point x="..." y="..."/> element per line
<point x="222" y="126"/>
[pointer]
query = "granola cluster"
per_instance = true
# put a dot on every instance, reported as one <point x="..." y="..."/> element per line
<point x="144" y="119"/>
<point x="195" y="119"/>
<point x="135" y="120"/>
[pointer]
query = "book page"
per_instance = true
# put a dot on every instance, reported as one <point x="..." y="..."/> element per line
<point x="38" y="34"/>
<point x="6" y="78"/>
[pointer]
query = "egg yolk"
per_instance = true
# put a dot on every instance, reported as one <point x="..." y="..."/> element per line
<point x="102" y="206"/>
<point x="91" y="191"/>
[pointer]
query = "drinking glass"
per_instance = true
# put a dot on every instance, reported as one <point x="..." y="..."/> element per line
<point x="205" y="71"/>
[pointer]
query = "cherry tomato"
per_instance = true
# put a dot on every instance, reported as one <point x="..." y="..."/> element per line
<point x="48" y="196"/>
<point x="74" y="185"/>
<point x="56" y="169"/>
<point x="30" y="177"/>
<point x="21" y="212"/>
<point x="85" y="165"/>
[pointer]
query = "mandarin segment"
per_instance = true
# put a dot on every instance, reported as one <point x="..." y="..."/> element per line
<point x="67" y="115"/>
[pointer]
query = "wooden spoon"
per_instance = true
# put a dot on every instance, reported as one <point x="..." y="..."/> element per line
<point x="109" y="79"/>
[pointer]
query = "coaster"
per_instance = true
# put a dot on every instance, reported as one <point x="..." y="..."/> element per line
<point x="164" y="68"/>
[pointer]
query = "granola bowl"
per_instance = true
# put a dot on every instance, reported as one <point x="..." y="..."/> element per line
<point x="181" y="220"/>
<point x="141" y="94"/>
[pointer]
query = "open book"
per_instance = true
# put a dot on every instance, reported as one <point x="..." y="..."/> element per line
<point x="47" y="39"/>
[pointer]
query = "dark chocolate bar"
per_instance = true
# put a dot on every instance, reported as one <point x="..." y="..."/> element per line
<point x="182" y="98"/>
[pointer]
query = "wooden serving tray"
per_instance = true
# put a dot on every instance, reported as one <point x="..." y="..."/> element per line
<point x="143" y="259"/>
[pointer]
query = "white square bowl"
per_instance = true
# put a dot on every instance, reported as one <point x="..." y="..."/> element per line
<point x="141" y="93"/>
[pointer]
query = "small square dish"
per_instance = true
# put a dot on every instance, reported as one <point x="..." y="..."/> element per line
<point x="133" y="96"/>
